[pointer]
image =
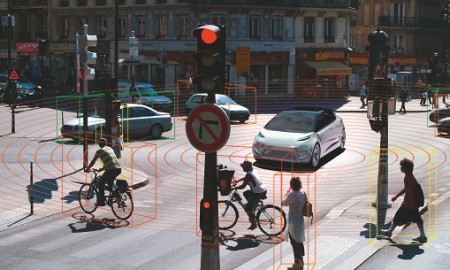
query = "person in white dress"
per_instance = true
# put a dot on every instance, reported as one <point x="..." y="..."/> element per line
<point x="295" y="198"/>
<point x="116" y="136"/>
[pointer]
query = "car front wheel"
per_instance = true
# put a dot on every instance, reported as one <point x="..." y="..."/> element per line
<point x="156" y="131"/>
<point x="315" y="156"/>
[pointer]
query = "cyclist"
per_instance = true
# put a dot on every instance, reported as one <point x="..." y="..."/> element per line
<point x="257" y="191"/>
<point x="111" y="166"/>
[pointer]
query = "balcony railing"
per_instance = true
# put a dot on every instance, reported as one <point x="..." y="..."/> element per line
<point x="341" y="4"/>
<point x="388" y="21"/>
<point x="28" y="3"/>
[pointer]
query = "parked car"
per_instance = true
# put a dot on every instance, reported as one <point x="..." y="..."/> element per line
<point x="144" y="93"/>
<point x="301" y="136"/>
<point x="438" y="114"/>
<point x="443" y="126"/>
<point x="28" y="88"/>
<point x="136" y="120"/>
<point x="235" y="111"/>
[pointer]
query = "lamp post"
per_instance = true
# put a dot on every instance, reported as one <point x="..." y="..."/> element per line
<point x="381" y="103"/>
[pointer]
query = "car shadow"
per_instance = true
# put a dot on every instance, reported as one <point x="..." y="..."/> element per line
<point x="274" y="165"/>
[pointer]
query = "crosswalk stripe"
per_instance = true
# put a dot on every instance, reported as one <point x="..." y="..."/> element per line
<point x="28" y="234"/>
<point x="59" y="242"/>
<point x="118" y="242"/>
<point x="165" y="242"/>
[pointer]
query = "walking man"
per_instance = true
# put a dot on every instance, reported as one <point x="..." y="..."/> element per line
<point x="363" y="95"/>
<point x="409" y="210"/>
<point x="403" y="99"/>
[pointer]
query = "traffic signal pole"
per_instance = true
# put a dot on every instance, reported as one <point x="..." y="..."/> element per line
<point x="210" y="257"/>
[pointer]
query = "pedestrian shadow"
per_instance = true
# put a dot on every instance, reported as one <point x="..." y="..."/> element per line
<point x="409" y="250"/>
<point x="372" y="230"/>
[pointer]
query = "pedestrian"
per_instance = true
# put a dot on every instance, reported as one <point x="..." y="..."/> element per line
<point x="430" y="96"/>
<point x="257" y="191"/>
<point x="403" y="99"/>
<point x="423" y="95"/>
<point x="409" y="209"/>
<point x="116" y="136"/>
<point x="295" y="198"/>
<point x="363" y="95"/>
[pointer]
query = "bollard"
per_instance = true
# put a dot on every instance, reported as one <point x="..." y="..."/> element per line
<point x="31" y="188"/>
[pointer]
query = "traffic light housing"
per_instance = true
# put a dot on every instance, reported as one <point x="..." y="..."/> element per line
<point x="42" y="44"/>
<point x="206" y="216"/>
<point x="87" y="57"/>
<point x="210" y="58"/>
<point x="224" y="177"/>
<point x="11" y="93"/>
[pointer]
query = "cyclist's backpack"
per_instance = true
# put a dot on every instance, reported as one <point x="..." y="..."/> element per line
<point x="420" y="197"/>
<point x="122" y="185"/>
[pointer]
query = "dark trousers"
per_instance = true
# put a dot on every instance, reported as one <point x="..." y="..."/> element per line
<point x="363" y="101"/>
<point x="107" y="177"/>
<point x="298" y="248"/>
<point x="402" y="107"/>
<point x="252" y="201"/>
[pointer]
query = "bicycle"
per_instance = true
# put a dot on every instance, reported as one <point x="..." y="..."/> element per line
<point x="119" y="197"/>
<point x="270" y="218"/>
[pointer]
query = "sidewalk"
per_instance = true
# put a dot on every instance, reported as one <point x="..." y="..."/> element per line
<point x="349" y="104"/>
<point x="49" y="206"/>
<point x="343" y="239"/>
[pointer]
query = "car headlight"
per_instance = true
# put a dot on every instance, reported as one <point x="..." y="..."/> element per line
<point x="260" y="135"/>
<point x="304" y="138"/>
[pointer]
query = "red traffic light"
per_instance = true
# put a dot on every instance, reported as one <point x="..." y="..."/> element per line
<point x="208" y="34"/>
<point x="206" y="204"/>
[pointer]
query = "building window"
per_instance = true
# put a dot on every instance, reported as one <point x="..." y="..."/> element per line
<point x="100" y="2"/>
<point x="140" y="25"/>
<point x="122" y="27"/>
<point x="308" y="31"/>
<point x="218" y="20"/>
<point x="398" y="44"/>
<point x="183" y="30"/>
<point x="276" y="28"/>
<point x="140" y="2"/>
<point x="352" y="41"/>
<point x="64" y="30"/>
<point x="120" y="2"/>
<point x="398" y="14"/>
<point x="63" y="3"/>
<point x="160" y="1"/>
<point x="162" y="26"/>
<point x="101" y="27"/>
<point x="253" y="28"/>
<point x="82" y="3"/>
<point x="329" y="30"/>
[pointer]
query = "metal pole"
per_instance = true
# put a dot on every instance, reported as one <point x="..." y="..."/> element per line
<point x="85" y="110"/>
<point x="13" y="92"/>
<point x="210" y="257"/>
<point x="31" y="189"/>
<point x="116" y="42"/>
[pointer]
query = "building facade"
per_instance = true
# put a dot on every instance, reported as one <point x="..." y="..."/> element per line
<point x="296" y="47"/>
<point x="416" y="33"/>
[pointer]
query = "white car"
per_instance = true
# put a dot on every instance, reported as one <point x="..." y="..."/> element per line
<point x="234" y="111"/>
<point x="301" y="136"/>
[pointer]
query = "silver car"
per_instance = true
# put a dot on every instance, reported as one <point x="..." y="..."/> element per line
<point x="234" y="111"/>
<point x="136" y="120"/>
<point x="300" y="136"/>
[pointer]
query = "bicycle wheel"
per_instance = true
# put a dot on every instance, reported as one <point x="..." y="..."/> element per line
<point x="228" y="215"/>
<point x="87" y="197"/>
<point x="271" y="220"/>
<point x="122" y="204"/>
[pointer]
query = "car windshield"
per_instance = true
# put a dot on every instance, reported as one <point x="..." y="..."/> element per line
<point x="224" y="100"/>
<point x="293" y="121"/>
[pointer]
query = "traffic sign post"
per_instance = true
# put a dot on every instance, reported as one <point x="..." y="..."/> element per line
<point x="208" y="128"/>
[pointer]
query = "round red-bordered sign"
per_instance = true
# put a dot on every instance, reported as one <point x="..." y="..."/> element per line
<point x="207" y="128"/>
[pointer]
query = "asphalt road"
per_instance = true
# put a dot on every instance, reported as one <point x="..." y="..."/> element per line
<point x="164" y="232"/>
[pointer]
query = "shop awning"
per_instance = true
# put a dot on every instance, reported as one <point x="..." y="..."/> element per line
<point x="329" y="68"/>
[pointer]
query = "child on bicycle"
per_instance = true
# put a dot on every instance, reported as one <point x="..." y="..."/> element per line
<point x="256" y="193"/>
<point x="111" y="165"/>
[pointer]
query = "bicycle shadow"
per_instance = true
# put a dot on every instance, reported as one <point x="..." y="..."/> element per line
<point x="94" y="224"/>
<point x="233" y="242"/>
